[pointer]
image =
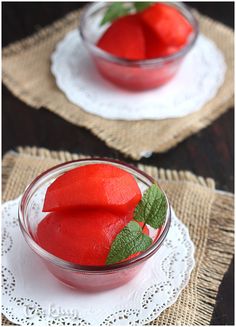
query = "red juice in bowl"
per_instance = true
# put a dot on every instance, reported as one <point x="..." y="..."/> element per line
<point x="138" y="77"/>
<point x="97" y="282"/>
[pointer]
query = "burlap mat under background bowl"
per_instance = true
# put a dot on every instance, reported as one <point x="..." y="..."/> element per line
<point x="26" y="72"/>
<point x="207" y="213"/>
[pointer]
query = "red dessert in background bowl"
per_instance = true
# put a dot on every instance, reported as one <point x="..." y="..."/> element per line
<point x="141" y="50"/>
<point x="73" y="237"/>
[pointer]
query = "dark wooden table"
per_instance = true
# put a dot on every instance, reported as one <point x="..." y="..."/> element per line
<point x="209" y="153"/>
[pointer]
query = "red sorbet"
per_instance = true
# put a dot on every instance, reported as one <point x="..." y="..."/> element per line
<point x="158" y="31"/>
<point x="155" y="48"/>
<point x="124" y="38"/>
<point x="97" y="186"/>
<point x="83" y="236"/>
<point x="167" y="23"/>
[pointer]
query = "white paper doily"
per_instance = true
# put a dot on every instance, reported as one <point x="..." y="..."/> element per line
<point x="197" y="82"/>
<point x="32" y="296"/>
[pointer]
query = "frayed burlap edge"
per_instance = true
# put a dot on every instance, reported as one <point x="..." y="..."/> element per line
<point x="26" y="72"/>
<point x="159" y="174"/>
<point x="221" y="227"/>
<point x="218" y="255"/>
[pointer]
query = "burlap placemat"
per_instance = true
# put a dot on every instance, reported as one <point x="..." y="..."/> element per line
<point x="207" y="213"/>
<point x="26" y="72"/>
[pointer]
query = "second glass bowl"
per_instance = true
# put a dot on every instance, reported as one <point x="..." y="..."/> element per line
<point x="132" y="74"/>
<point x="87" y="278"/>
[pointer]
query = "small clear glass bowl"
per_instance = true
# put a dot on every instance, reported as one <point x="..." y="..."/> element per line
<point x="87" y="278"/>
<point x="132" y="74"/>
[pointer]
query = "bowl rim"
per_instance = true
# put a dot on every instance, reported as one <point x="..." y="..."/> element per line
<point x="144" y="62"/>
<point x="87" y="268"/>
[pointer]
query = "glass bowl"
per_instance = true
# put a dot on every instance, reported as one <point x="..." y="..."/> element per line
<point x="132" y="74"/>
<point x="87" y="278"/>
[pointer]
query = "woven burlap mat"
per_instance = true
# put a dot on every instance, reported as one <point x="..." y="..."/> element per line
<point x="207" y="213"/>
<point x="26" y="72"/>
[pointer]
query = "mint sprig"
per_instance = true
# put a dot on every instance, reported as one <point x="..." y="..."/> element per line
<point x="129" y="241"/>
<point x="140" y="6"/>
<point x="151" y="210"/>
<point x="119" y="9"/>
<point x="114" y="11"/>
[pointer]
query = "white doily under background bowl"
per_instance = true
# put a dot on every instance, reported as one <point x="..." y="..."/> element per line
<point x="32" y="296"/>
<point x="197" y="82"/>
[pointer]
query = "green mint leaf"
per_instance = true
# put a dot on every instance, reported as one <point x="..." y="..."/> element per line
<point x="152" y="211"/>
<point x="115" y="10"/>
<point x="140" y="6"/>
<point x="129" y="241"/>
<point x="152" y="208"/>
